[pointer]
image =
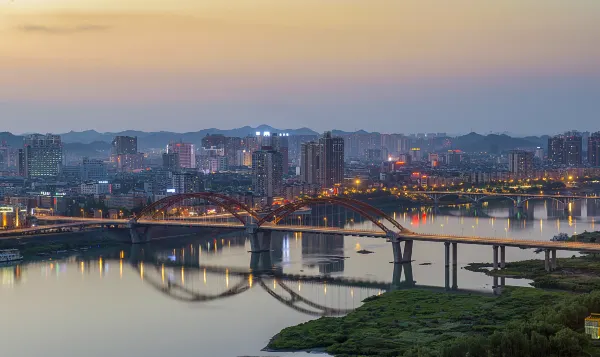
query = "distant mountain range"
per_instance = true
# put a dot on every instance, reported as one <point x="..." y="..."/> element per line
<point x="92" y="143"/>
<point x="162" y="138"/>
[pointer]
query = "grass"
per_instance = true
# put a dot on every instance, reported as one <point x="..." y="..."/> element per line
<point x="393" y="323"/>
<point x="576" y="274"/>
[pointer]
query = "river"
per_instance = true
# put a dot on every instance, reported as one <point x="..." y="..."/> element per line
<point x="194" y="296"/>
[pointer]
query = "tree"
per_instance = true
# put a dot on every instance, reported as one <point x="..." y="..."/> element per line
<point x="567" y="343"/>
<point x="539" y="345"/>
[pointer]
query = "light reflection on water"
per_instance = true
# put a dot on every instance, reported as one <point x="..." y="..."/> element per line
<point x="193" y="295"/>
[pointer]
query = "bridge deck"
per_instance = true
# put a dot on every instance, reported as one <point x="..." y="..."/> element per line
<point x="509" y="242"/>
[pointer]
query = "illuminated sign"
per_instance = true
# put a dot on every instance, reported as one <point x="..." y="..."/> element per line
<point x="102" y="181"/>
<point x="415" y="149"/>
<point x="170" y="190"/>
<point x="6" y="209"/>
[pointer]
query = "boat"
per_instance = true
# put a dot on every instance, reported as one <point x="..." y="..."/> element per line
<point x="10" y="255"/>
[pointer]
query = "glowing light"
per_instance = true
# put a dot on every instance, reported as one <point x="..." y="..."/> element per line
<point x="142" y="271"/>
<point x="182" y="276"/>
<point x="250" y="280"/>
<point x="204" y="276"/>
<point x="227" y="277"/>
<point x="121" y="269"/>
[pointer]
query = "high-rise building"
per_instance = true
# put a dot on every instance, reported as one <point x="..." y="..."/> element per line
<point x="520" y="162"/>
<point x="170" y="161"/>
<point x="539" y="153"/>
<point x="279" y="141"/>
<point x="267" y="175"/>
<point x="556" y="147"/>
<point x="187" y="154"/>
<point x="129" y="162"/>
<point x="331" y="170"/>
<point x="243" y="158"/>
<point x="593" y="151"/>
<point x="42" y="155"/>
<point x="573" y="149"/>
<point x="309" y="162"/>
<point x="93" y="170"/>
<point x="186" y="182"/>
<point x="124" y="145"/>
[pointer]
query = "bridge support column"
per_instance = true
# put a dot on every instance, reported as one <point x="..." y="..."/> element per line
<point x="138" y="237"/>
<point x="547" y="259"/>
<point x="262" y="243"/>
<point x="495" y="256"/>
<point x="454" y="266"/>
<point x="447" y="264"/>
<point x="554" y="263"/>
<point x="502" y="257"/>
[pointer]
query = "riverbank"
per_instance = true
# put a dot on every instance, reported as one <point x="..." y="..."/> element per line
<point x="576" y="274"/>
<point x="426" y="324"/>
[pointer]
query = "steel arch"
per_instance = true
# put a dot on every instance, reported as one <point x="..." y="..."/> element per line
<point x="459" y="195"/>
<point x="365" y="210"/>
<point x="564" y="203"/>
<point x="220" y="200"/>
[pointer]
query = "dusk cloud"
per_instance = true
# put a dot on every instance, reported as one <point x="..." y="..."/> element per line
<point x="58" y="30"/>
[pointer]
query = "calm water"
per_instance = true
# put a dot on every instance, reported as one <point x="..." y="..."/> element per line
<point x="194" y="296"/>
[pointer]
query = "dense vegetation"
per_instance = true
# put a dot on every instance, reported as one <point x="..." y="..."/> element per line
<point x="521" y="322"/>
<point x="577" y="274"/>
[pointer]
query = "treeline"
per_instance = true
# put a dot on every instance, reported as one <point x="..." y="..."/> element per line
<point x="551" y="331"/>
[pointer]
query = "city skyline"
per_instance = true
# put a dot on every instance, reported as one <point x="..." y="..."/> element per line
<point x="402" y="67"/>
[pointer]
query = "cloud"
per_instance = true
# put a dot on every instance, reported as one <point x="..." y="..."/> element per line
<point x="58" y="30"/>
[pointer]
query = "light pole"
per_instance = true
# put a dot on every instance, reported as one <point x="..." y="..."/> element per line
<point x="82" y="214"/>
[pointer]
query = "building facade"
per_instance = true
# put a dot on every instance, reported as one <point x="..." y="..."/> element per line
<point x="124" y="145"/>
<point x="331" y="170"/>
<point x="187" y="154"/>
<point x="520" y="162"/>
<point x="593" y="149"/>
<point x="267" y="173"/>
<point x="41" y="156"/>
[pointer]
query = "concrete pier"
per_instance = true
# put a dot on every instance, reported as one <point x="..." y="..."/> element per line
<point x="447" y="264"/>
<point x="454" y="266"/>
<point x="502" y="257"/>
<point x="495" y="256"/>
<point x="554" y="263"/>
<point x="547" y="259"/>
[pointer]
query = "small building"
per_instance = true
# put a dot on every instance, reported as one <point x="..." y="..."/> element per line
<point x="592" y="323"/>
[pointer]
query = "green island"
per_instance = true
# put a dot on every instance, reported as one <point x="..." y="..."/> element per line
<point x="521" y="322"/>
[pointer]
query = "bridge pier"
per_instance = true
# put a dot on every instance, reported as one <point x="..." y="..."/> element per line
<point x="137" y="237"/>
<point x="397" y="276"/>
<point x="495" y="256"/>
<point x="399" y="257"/>
<point x="447" y="264"/>
<point x="262" y="243"/>
<point x="502" y="257"/>
<point x="454" y="266"/>
<point x="554" y="261"/>
<point x="547" y="259"/>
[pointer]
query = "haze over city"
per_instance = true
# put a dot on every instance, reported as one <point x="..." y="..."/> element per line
<point x="400" y="66"/>
<point x="412" y="178"/>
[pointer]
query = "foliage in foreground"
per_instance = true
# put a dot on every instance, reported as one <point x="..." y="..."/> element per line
<point x="521" y="322"/>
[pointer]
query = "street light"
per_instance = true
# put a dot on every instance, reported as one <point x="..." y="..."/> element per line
<point x="82" y="214"/>
<point x="357" y="183"/>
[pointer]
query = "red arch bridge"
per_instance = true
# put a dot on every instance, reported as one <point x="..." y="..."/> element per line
<point x="321" y="215"/>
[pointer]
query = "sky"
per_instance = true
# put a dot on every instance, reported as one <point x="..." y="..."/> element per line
<point x="520" y="66"/>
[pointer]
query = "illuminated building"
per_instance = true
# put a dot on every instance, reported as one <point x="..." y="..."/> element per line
<point x="331" y="160"/>
<point x="129" y="162"/>
<point x="267" y="175"/>
<point x="453" y="157"/>
<point x="539" y="153"/>
<point x="309" y="163"/>
<point x="573" y="149"/>
<point x="124" y="145"/>
<point x="520" y="162"/>
<point x="186" y="182"/>
<point x="279" y="142"/>
<point x="41" y="156"/>
<point x="170" y="161"/>
<point x="593" y="152"/>
<point x="243" y="158"/>
<point x="592" y="323"/>
<point x="187" y="154"/>
<point x="93" y="170"/>
<point x="556" y="146"/>
<point x="96" y="188"/>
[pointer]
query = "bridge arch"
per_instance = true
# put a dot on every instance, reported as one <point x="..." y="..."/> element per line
<point x="563" y="202"/>
<point x="437" y="198"/>
<point x="225" y="202"/>
<point x="486" y="197"/>
<point x="365" y="210"/>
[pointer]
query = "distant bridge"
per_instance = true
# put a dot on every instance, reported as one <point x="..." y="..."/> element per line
<point x="338" y="218"/>
<point x="519" y="199"/>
